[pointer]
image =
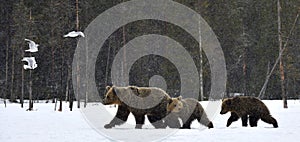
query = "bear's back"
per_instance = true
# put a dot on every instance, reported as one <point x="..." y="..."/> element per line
<point x="251" y="104"/>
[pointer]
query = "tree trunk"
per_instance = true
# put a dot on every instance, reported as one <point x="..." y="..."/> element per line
<point x="294" y="88"/>
<point x="12" y="95"/>
<point x="22" y="87"/>
<point x="77" y="15"/>
<point x="68" y="94"/>
<point x="281" y="66"/>
<point x="61" y="78"/>
<point x="201" y="63"/>
<point x="280" y="54"/>
<point x="71" y="102"/>
<point x="30" y="92"/>
<point x="60" y="104"/>
<point x="78" y="69"/>
<point x="245" y="72"/>
<point x="55" y="100"/>
<point x="264" y="88"/>
<point x="124" y="57"/>
<point x="67" y="88"/>
<point x="6" y="73"/>
<point x="86" y="77"/>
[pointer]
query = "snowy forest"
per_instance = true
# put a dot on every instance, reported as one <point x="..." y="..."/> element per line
<point x="251" y="33"/>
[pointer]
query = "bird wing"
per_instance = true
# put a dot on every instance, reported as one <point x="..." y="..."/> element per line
<point x="31" y="43"/>
<point x="26" y="67"/>
<point x="74" y="34"/>
<point x="28" y="40"/>
<point x="82" y="34"/>
<point x="70" y="34"/>
<point x="26" y="59"/>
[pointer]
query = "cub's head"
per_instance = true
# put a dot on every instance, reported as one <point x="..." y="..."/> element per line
<point x="226" y="105"/>
<point x="175" y="104"/>
<point x="111" y="96"/>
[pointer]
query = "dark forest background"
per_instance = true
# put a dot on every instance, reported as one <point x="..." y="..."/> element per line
<point x="247" y="31"/>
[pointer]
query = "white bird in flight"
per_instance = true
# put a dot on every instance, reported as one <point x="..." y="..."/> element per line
<point x="74" y="34"/>
<point x="31" y="63"/>
<point x="33" y="47"/>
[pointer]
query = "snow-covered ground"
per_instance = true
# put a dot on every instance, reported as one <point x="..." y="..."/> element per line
<point x="44" y="124"/>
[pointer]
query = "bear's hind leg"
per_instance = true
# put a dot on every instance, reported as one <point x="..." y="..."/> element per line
<point x="140" y="120"/>
<point x="269" y="119"/>
<point x="233" y="117"/>
<point x="245" y="121"/>
<point x="253" y="120"/>
<point x="187" y="124"/>
<point x="205" y="121"/>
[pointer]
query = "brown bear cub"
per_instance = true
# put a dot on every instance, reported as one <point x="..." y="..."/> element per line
<point x="244" y="106"/>
<point x="188" y="110"/>
<point x="139" y="101"/>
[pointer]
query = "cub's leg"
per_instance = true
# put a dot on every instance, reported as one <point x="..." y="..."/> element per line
<point x="172" y="120"/>
<point x="187" y="124"/>
<point x="269" y="119"/>
<point x="233" y="117"/>
<point x="245" y="121"/>
<point x="253" y="120"/>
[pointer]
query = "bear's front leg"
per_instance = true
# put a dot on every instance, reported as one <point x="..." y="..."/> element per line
<point x="140" y="120"/>
<point x="253" y="120"/>
<point x="187" y="124"/>
<point x="156" y="122"/>
<point x="172" y="120"/>
<point x="233" y="117"/>
<point x="120" y="118"/>
<point x="245" y="120"/>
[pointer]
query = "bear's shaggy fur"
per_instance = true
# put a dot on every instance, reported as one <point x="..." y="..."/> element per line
<point x="244" y="106"/>
<point x="140" y="101"/>
<point x="188" y="110"/>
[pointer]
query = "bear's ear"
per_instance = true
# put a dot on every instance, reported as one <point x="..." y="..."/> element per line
<point x="179" y="98"/>
<point x="170" y="101"/>
<point x="134" y="89"/>
<point x="228" y="102"/>
<point x="223" y="99"/>
<point x="107" y="88"/>
<point x="236" y="98"/>
<point x="117" y="90"/>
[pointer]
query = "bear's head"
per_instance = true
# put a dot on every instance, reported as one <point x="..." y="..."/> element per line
<point x="111" y="96"/>
<point x="175" y="104"/>
<point x="226" y="105"/>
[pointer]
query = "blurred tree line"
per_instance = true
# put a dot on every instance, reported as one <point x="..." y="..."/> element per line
<point x="247" y="31"/>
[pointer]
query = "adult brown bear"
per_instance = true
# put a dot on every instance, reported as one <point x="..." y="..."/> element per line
<point x="140" y="101"/>
<point x="244" y="106"/>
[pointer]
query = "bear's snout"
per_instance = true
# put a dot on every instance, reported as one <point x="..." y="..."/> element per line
<point x="105" y="102"/>
<point x="223" y="112"/>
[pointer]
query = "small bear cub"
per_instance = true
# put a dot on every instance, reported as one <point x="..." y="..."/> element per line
<point x="188" y="110"/>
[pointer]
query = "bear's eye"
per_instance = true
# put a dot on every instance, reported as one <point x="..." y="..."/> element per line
<point x="175" y="105"/>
